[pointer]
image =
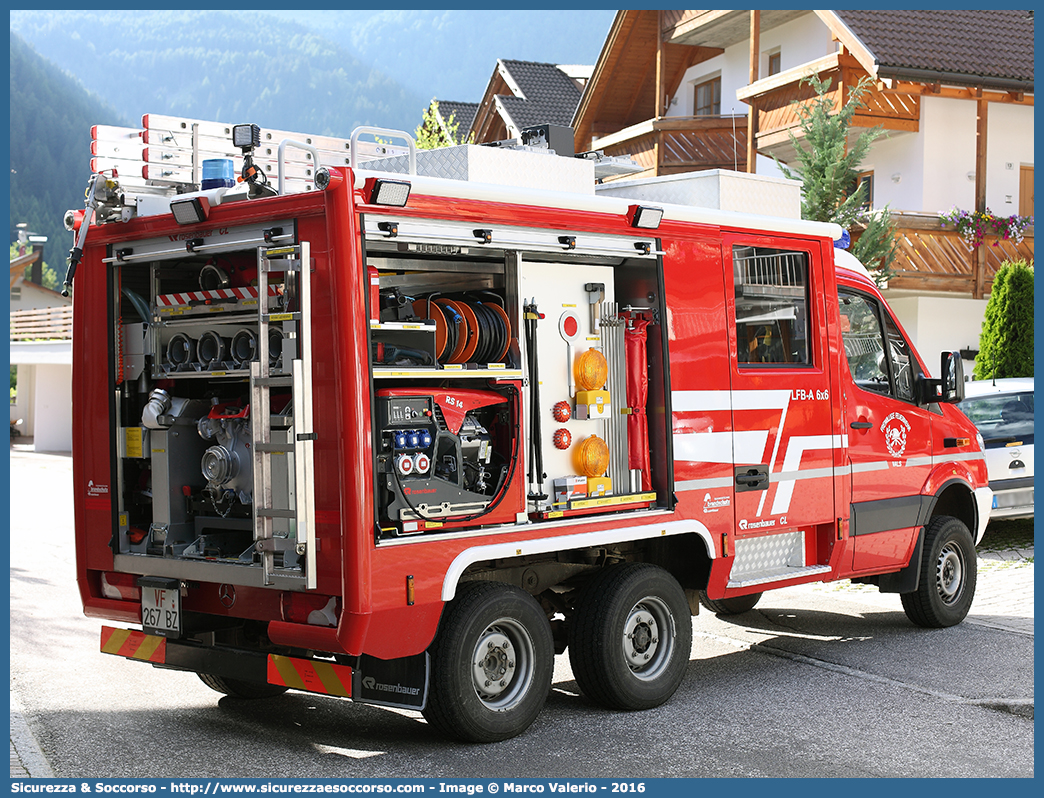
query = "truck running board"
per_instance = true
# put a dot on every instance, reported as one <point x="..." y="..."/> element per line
<point x="779" y="575"/>
<point x="771" y="558"/>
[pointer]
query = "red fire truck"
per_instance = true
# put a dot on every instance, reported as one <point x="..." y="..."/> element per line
<point x="404" y="438"/>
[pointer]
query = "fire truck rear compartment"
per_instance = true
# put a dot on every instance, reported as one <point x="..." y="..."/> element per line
<point x="205" y="347"/>
<point x="453" y="323"/>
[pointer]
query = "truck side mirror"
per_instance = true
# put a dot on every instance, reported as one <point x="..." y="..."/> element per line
<point x="949" y="389"/>
<point x="951" y="367"/>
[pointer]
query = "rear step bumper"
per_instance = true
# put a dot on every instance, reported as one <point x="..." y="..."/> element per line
<point x="314" y="676"/>
<point x="398" y="683"/>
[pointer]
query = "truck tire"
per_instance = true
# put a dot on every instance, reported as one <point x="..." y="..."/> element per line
<point x="948" y="574"/>
<point x="238" y="688"/>
<point x="491" y="664"/>
<point x="630" y="637"/>
<point x="730" y="606"/>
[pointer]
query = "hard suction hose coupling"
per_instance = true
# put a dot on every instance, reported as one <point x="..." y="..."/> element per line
<point x="181" y="352"/>
<point x="275" y="345"/>
<point x="244" y="347"/>
<point x="212" y="350"/>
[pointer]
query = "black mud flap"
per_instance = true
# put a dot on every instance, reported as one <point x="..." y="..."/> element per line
<point x="399" y="682"/>
<point x="906" y="580"/>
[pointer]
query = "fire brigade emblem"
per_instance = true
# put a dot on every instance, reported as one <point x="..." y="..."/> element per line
<point x="895" y="429"/>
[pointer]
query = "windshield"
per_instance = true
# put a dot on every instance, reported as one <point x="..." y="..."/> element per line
<point x="1002" y="418"/>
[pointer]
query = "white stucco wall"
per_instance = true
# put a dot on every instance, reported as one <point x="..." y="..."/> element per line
<point x="22" y="407"/>
<point x="948" y="128"/>
<point x="798" y="41"/>
<point x="898" y="154"/>
<point x="939" y="324"/>
<point x="1009" y="146"/>
<point x="53" y="408"/>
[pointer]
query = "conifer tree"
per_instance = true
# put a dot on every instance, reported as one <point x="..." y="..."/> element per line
<point x="1006" y="342"/>
<point x="430" y="134"/>
<point x="828" y="163"/>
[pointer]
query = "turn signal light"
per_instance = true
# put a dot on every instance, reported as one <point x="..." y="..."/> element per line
<point x="592" y="457"/>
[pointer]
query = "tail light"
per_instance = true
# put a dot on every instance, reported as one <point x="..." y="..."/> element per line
<point x="310" y="608"/>
<point x="120" y="586"/>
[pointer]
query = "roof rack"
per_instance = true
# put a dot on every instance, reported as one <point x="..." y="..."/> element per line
<point x="166" y="154"/>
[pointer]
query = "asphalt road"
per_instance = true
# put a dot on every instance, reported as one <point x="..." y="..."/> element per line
<point x="816" y="682"/>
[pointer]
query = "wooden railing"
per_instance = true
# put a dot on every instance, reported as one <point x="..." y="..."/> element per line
<point x="44" y="324"/>
<point x="777" y="99"/>
<point x="681" y="144"/>
<point x="933" y="258"/>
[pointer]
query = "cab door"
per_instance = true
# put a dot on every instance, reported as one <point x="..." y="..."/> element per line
<point x="784" y="419"/>
<point x="889" y="435"/>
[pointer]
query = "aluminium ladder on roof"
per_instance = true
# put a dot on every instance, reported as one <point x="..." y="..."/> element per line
<point x="168" y="152"/>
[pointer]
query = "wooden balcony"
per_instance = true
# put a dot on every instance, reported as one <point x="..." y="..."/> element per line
<point x="681" y="144"/>
<point x="44" y="324"/>
<point x="776" y="101"/>
<point x="933" y="258"/>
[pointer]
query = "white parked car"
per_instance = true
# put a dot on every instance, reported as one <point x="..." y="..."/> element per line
<point x="1002" y="410"/>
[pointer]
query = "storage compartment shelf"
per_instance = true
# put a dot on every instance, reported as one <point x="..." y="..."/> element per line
<point x="492" y="371"/>
<point x="221" y="300"/>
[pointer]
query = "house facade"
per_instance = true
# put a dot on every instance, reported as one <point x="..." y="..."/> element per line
<point x="41" y="351"/>
<point x="683" y="90"/>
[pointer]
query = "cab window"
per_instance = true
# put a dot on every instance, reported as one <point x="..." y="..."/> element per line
<point x="771" y="306"/>
<point x="878" y="356"/>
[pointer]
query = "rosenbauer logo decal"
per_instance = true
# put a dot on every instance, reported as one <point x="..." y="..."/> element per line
<point x="744" y="524"/>
<point x="372" y="684"/>
<point x="96" y="490"/>
<point x="895" y="429"/>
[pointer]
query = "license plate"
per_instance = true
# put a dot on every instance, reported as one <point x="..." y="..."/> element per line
<point x="161" y="607"/>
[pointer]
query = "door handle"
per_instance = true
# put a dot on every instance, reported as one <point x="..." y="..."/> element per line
<point x="752" y="478"/>
<point x="860" y="425"/>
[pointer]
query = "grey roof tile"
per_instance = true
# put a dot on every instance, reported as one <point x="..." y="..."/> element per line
<point x="994" y="44"/>
<point x="549" y="95"/>
<point x="463" y="114"/>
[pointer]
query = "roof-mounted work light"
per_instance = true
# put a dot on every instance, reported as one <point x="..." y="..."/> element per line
<point x="190" y="210"/>
<point x="389" y="192"/>
<point x="246" y="137"/>
<point x="195" y="208"/>
<point x="645" y="217"/>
